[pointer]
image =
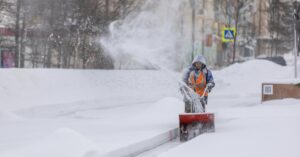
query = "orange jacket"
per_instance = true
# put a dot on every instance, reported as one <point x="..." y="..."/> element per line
<point x="199" y="85"/>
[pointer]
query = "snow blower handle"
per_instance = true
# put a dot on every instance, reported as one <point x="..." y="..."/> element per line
<point x="202" y="96"/>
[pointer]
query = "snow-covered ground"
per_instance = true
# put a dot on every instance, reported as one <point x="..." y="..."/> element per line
<point x="75" y="113"/>
<point x="245" y="127"/>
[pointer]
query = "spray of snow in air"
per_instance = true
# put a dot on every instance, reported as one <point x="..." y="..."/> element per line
<point x="151" y="37"/>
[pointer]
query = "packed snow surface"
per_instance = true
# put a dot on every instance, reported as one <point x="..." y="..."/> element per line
<point x="87" y="113"/>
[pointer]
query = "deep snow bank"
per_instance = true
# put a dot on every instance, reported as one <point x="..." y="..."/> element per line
<point x="24" y="88"/>
<point x="246" y="78"/>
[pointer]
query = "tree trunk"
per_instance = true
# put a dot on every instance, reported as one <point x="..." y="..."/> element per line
<point x="107" y="10"/>
<point x="45" y="53"/>
<point x="84" y="51"/>
<point x="277" y="28"/>
<point x="60" y="53"/>
<point x="17" y="34"/>
<point x="23" y="35"/>
<point x="76" y="49"/>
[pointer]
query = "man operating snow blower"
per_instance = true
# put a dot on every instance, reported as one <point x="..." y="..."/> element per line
<point x="199" y="78"/>
<point x="198" y="82"/>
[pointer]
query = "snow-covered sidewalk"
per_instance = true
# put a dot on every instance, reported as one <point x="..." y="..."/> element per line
<point x="78" y="113"/>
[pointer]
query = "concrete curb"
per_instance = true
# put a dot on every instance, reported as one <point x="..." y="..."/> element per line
<point x="143" y="146"/>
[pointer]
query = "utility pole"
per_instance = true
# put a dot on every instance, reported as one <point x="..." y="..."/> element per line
<point x="193" y="26"/>
<point x="238" y="6"/>
<point x="259" y="30"/>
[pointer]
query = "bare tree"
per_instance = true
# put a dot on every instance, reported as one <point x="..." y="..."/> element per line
<point x="281" y="26"/>
<point x="65" y="33"/>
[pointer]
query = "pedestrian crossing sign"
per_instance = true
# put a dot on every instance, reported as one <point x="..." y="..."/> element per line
<point x="228" y="34"/>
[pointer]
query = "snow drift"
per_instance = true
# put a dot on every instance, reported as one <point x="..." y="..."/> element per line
<point x="46" y="112"/>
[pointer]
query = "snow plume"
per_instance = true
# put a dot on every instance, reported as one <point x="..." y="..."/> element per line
<point x="150" y="38"/>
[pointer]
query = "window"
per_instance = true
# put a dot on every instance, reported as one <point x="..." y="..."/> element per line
<point x="268" y="89"/>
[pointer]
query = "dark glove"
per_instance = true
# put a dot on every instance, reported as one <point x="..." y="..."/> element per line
<point x="209" y="87"/>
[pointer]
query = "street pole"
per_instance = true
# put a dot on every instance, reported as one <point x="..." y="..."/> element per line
<point x="259" y="40"/>
<point x="193" y="27"/>
<point x="295" y="44"/>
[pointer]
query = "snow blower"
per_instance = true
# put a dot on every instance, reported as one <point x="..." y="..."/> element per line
<point x="194" y="121"/>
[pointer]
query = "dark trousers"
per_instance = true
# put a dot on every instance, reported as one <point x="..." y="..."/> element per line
<point x="204" y="102"/>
